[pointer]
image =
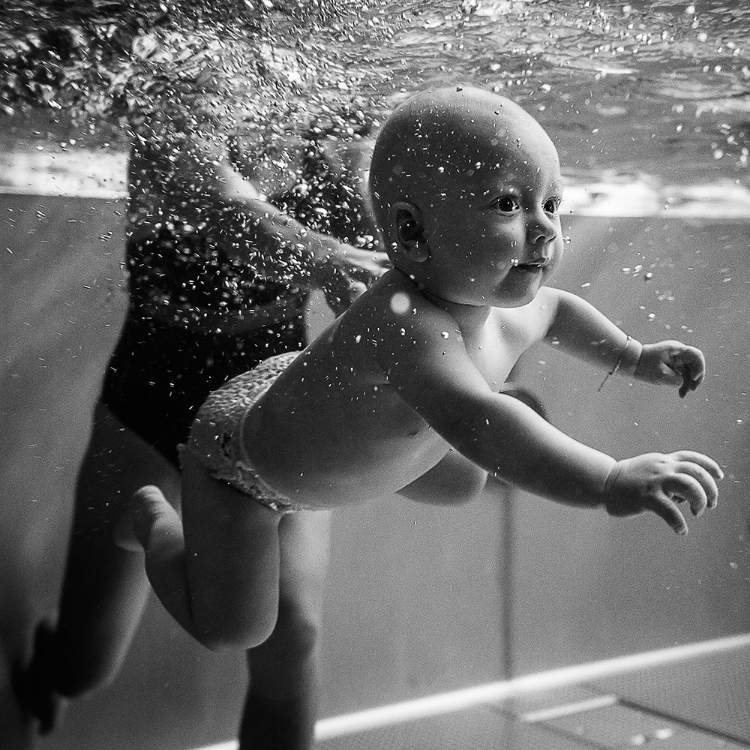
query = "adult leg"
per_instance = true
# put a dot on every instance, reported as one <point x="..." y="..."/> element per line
<point x="104" y="587"/>
<point x="282" y="699"/>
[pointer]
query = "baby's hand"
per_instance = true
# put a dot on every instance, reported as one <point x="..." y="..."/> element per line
<point x="658" y="481"/>
<point x="672" y="363"/>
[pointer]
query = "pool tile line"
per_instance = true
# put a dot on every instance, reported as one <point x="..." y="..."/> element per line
<point x="494" y="695"/>
<point x="568" y="709"/>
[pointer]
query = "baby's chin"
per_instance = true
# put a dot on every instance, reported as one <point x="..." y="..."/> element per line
<point x="506" y="295"/>
<point x="518" y="296"/>
<point x="516" y="301"/>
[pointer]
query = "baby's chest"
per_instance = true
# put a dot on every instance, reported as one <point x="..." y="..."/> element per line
<point x="496" y="349"/>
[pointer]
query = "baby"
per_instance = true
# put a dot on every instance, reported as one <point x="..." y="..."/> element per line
<point x="404" y="392"/>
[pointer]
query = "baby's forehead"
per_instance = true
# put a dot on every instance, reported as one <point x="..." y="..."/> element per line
<point x="490" y="130"/>
<point x="440" y="140"/>
<point x="494" y="150"/>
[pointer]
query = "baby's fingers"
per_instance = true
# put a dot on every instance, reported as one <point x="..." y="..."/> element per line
<point x="690" y="364"/>
<point x="689" y="381"/>
<point x="702" y="460"/>
<point x="686" y="488"/>
<point x="704" y="478"/>
<point x="666" y="508"/>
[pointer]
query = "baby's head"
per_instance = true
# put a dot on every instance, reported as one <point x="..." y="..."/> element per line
<point x="465" y="186"/>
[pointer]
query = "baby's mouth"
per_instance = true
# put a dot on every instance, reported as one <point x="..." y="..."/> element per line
<point x="532" y="266"/>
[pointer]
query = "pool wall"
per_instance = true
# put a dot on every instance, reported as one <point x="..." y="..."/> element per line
<point x="420" y="599"/>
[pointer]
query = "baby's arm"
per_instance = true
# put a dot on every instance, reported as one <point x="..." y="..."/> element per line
<point x="589" y="335"/>
<point x="504" y="436"/>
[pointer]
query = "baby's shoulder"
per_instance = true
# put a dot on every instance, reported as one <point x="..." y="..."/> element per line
<point x="391" y="322"/>
<point x="548" y="297"/>
<point x="393" y="303"/>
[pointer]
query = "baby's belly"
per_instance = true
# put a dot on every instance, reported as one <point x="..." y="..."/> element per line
<point x="328" y="444"/>
<point x="356" y="475"/>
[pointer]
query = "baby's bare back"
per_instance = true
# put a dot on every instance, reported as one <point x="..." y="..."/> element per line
<point x="333" y="429"/>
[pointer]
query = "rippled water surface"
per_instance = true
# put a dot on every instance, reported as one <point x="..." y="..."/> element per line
<point x="654" y="88"/>
<point x="660" y="89"/>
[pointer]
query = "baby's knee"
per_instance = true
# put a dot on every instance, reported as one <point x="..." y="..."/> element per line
<point x="234" y="622"/>
<point x="248" y="634"/>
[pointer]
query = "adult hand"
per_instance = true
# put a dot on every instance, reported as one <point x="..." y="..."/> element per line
<point x="365" y="265"/>
<point x="344" y="272"/>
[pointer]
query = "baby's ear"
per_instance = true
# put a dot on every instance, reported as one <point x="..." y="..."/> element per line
<point x="406" y="219"/>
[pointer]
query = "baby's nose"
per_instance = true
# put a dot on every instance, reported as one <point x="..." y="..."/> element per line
<point x="541" y="229"/>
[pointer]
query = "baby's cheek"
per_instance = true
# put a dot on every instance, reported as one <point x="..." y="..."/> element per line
<point x="548" y="272"/>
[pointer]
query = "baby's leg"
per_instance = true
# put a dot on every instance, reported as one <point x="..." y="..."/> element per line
<point x="216" y="570"/>
<point x="282" y="700"/>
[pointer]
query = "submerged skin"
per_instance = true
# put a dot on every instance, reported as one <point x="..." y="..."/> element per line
<point x="404" y="392"/>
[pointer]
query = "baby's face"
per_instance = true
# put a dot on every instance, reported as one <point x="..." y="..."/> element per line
<point x="493" y="228"/>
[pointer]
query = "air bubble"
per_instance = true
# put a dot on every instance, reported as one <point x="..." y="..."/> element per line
<point x="400" y="303"/>
<point x="664" y="734"/>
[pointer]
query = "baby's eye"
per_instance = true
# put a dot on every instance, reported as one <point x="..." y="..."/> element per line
<point x="507" y="204"/>
<point x="551" y="205"/>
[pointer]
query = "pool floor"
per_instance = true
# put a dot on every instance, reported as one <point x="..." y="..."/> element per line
<point x="696" y="704"/>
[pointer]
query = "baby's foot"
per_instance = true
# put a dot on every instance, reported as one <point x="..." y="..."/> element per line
<point x="34" y="685"/>
<point x="124" y="532"/>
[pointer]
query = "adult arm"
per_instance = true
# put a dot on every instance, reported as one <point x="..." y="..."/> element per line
<point x="184" y="172"/>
